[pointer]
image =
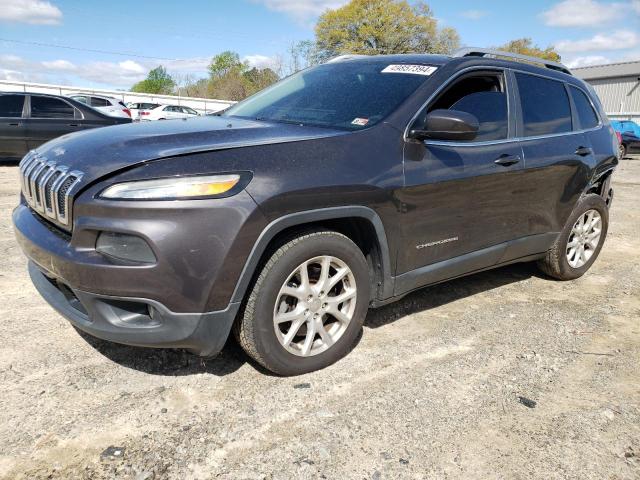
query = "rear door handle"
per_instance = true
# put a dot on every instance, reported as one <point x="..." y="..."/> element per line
<point x="15" y="124"/>
<point x="73" y="124"/>
<point x="506" y="160"/>
<point x="583" y="151"/>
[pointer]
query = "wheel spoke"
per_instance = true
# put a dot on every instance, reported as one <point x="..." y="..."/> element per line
<point x="343" y="297"/>
<point x="325" y="336"/>
<point x="583" y="256"/>
<point x="298" y="293"/>
<point x="308" y="341"/>
<point x="572" y="244"/>
<point x="339" y="315"/>
<point x="333" y="281"/>
<point x="304" y="276"/>
<point x="289" y="316"/>
<point x="325" y="266"/>
<point x="295" y="326"/>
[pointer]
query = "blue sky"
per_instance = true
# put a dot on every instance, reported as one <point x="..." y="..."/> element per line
<point x="184" y="35"/>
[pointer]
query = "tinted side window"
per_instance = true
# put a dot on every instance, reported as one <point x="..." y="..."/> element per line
<point x="483" y="96"/>
<point x="11" y="105"/>
<point x="587" y="117"/>
<point x="545" y="105"/>
<point x="84" y="100"/>
<point x="99" y="102"/>
<point x="47" y="107"/>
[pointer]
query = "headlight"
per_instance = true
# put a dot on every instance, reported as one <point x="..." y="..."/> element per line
<point x="172" y="188"/>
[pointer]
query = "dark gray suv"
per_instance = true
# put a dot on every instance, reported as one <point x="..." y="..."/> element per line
<point x="343" y="187"/>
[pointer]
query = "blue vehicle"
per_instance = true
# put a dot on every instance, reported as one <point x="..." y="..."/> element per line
<point x="629" y="136"/>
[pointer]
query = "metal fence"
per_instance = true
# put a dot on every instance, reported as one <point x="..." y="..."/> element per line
<point x="202" y="105"/>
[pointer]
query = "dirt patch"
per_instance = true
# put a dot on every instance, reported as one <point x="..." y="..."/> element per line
<point x="433" y="390"/>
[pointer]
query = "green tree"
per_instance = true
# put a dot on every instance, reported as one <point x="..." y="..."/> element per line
<point x="232" y="79"/>
<point x="225" y="63"/>
<point x="157" y="81"/>
<point x="374" y="27"/>
<point x="525" y="46"/>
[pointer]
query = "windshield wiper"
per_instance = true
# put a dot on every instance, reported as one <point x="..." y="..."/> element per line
<point x="280" y="120"/>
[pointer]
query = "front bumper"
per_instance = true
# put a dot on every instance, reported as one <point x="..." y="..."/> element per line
<point x="122" y="303"/>
<point x="135" y="321"/>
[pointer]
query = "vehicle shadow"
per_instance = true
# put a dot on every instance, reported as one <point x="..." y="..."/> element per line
<point x="167" y="361"/>
<point x="176" y="362"/>
<point x="9" y="162"/>
<point x="443" y="293"/>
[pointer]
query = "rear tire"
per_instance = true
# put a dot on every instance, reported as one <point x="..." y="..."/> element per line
<point x="622" y="151"/>
<point x="290" y="325"/>
<point x="580" y="241"/>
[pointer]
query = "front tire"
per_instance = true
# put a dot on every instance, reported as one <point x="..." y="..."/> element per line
<point x="306" y="309"/>
<point x="580" y="241"/>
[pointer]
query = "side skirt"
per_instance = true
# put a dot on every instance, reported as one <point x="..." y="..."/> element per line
<point x="521" y="250"/>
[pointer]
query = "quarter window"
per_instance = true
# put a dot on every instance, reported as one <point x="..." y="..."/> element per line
<point x="484" y="96"/>
<point x="11" y="106"/>
<point x="587" y="117"/>
<point x="545" y="105"/>
<point x="48" y="107"/>
<point x="99" y="102"/>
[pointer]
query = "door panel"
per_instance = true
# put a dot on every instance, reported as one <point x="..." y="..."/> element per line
<point x="458" y="200"/>
<point x="555" y="178"/>
<point x="13" y="136"/>
<point x="13" y="141"/>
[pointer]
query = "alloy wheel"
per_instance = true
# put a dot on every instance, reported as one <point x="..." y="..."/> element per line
<point x="315" y="306"/>
<point x="584" y="238"/>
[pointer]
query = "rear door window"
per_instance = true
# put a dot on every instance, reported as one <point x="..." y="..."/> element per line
<point x="545" y="105"/>
<point x="49" y="107"/>
<point x="587" y="117"/>
<point x="11" y="106"/>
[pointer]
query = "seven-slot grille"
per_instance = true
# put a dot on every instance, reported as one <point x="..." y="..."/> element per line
<point x="48" y="187"/>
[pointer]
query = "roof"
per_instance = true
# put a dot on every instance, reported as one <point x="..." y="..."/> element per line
<point x="417" y="58"/>
<point x="612" y="70"/>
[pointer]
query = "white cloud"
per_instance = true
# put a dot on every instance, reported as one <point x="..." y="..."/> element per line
<point x="62" y="65"/>
<point x="36" y="12"/>
<point x="302" y="10"/>
<point x="583" y="13"/>
<point x="475" y="14"/>
<point x="587" y="61"/>
<point x="260" y="61"/>
<point x="619" y="40"/>
<point x="121" y="74"/>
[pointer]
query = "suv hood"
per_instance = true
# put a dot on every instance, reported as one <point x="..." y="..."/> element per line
<point x="101" y="151"/>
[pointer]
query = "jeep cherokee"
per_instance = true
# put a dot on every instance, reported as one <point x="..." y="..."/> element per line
<point x="342" y="187"/>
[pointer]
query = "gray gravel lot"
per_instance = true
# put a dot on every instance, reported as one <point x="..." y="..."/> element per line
<point x="438" y="387"/>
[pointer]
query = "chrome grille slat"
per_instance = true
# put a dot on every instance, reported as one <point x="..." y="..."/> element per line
<point x="48" y="188"/>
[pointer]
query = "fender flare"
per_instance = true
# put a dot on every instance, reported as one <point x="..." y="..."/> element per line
<point x="299" y="218"/>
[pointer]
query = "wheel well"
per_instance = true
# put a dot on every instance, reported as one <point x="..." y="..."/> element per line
<point x="359" y="230"/>
<point x="599" y="186"/>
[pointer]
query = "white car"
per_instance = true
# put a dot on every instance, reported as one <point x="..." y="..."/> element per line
<point x="168" y="112"/>
<point x="108" y="105"/>
<point x="141" y="109"/>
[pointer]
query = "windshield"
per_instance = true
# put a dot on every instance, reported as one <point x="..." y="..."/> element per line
<point x="349" y="95"/>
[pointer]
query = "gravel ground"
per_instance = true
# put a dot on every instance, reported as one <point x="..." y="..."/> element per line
<point x="441" y="385"/>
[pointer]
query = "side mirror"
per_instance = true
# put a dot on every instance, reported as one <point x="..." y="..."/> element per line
<point x="448" y="125"/>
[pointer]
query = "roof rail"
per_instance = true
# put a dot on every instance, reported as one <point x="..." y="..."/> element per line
<point x="485" y="52"/>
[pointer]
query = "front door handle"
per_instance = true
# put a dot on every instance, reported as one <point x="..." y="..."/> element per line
<point x="506" y="160"/>
<point x="583" y="151"/>
<point x="15" y="124"/>
<point x="73" y="124"/>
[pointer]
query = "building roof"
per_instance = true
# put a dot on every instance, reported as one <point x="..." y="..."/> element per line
<point x="612" y="70"/>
